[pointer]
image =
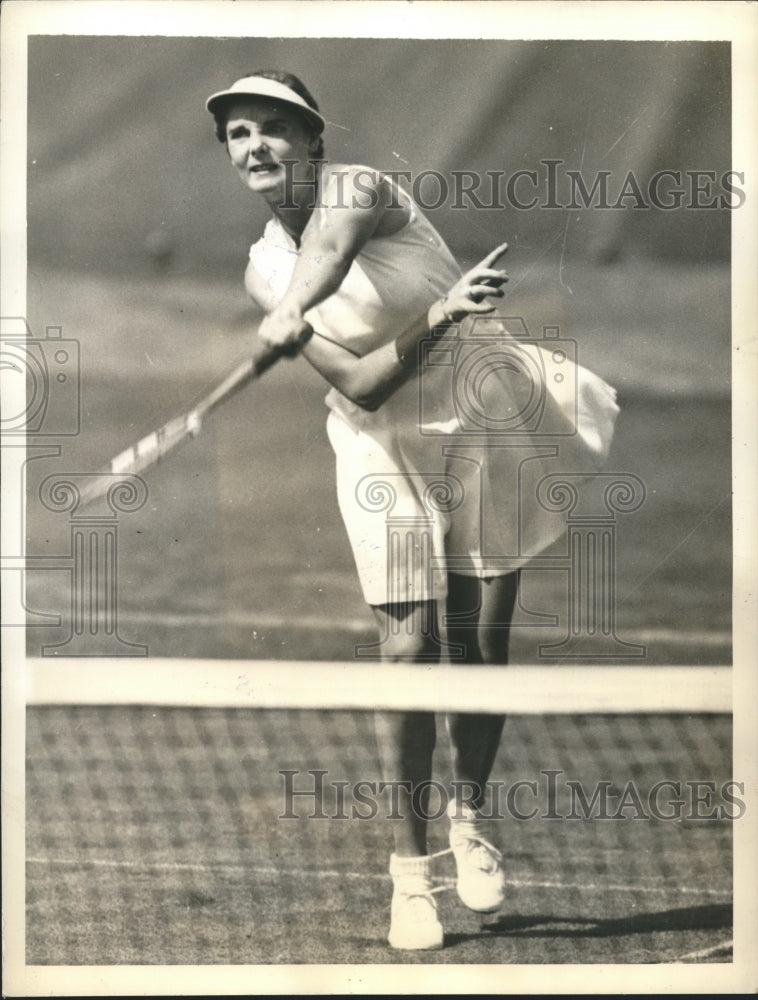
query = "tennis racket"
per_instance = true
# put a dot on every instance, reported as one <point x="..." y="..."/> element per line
<point x="154" y="446"/>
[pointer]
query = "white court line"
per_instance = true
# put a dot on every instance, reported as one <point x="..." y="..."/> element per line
<point x="677" y="637"/>
<point x="539" y="689"/>
<point x="723" y="948"/>
<point x="243" y="619"/>
<point x="320" y="623"/>
<point x="327" y="873"/>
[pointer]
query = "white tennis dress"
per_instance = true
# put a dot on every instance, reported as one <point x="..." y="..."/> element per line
<point x="445" y="476"/>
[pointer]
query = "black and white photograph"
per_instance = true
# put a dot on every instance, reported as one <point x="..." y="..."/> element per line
<point x="378" y="440"/>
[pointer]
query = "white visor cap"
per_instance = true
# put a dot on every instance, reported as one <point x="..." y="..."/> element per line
<point x="261" y="86"/>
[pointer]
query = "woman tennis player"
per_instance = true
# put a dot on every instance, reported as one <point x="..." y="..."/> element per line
<point x="352" y="276"/>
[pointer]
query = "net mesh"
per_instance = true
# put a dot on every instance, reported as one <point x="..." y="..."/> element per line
<point x="155" y="836"/>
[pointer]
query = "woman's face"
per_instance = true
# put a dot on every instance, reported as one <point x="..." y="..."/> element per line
<point x="259" y="136"/>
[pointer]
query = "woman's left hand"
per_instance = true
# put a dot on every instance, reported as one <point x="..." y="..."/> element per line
<point x="469" y="294"/>
<point x="286" y="331"/>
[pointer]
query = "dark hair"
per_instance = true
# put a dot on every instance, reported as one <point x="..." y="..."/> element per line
<point x="289" y="80"/>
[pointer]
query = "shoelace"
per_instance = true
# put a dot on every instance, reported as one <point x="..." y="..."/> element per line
<point x="492" y="857"/>
<point x="470" y="834"/>
<point x="475" y="841"/>
<point x="424" y="893"/>
<point x="415" y="893"/>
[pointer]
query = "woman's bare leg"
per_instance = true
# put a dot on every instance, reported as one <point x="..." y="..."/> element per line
<point x="479" y="619"/>
<point x="406" y="739"/>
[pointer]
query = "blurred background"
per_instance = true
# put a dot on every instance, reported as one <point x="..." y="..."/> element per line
<point x="138" y="233"/>
<point x="124" y="167"/>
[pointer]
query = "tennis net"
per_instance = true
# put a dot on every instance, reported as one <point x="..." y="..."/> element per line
<point x="231" y="819"/>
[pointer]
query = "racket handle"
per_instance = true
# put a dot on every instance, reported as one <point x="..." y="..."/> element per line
<point x="264" y="359"/>
<point x="248" y="371"/>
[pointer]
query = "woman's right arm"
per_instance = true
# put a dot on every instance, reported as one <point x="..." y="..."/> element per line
<point x="370" y="380"/>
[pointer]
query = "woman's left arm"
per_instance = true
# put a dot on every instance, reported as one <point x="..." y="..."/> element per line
<point x="370" y="380"/>
<point x="354" y="203"/>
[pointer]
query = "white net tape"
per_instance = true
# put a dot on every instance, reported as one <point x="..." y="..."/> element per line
<point x="299" y="684"/>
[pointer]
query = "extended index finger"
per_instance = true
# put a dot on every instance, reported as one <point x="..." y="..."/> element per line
<point x="490" y="259"/>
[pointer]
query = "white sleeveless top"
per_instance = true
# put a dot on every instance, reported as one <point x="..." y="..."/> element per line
<point x="393" y="280"/>
<point x="447" y="425"/>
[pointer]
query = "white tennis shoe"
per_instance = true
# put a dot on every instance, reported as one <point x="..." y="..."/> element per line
<point x="481" y="880"/>
<point x="414" y="924"/>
